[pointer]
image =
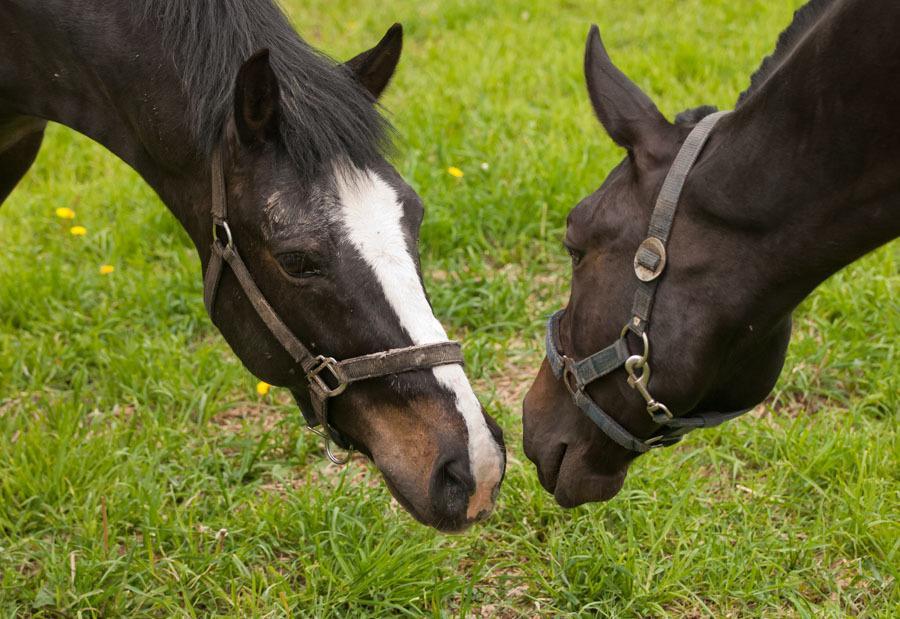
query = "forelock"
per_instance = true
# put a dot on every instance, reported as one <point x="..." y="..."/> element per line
<point x="326" y="113"/>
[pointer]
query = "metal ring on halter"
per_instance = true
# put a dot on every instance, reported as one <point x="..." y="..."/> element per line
<point x="328" y="452"/>
<point x="568" y="375"/>
<point x="314" y="376"/>
<point x="334" y="458"/>
<point x="227" y="229"/>
<point x="645" y="339"/>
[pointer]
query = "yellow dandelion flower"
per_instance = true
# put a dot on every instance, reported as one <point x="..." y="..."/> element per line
<point x="64" y="212"/>
<point x="106" y="269"/>
<point x="263" y="388"/>
<point x="78" y="230"/>
<point x="455" y="172"/>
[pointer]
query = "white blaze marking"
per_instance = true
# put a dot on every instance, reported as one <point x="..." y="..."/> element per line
<point x="372" y="216"/>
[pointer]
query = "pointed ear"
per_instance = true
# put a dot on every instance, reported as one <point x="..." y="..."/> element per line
<point x="375" y="67"/>
<point x="257" y="100"/>
<point x="628" y="115"/>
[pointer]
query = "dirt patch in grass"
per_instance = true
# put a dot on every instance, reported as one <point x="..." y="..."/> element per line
<point x="284" y="487"/>
<point x="704" y="608"/>
<point x="7" y="405"/>
<point x="259" y="415"/>
<point x="792" y="404"/>
<point x="853" y="590"/>
<point x="358" y="469"/>
<point x="511" y="383"/>
<point x="505" y="592"/>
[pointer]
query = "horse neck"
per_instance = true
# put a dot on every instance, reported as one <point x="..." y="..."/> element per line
<point x="116" y="86"/>
<point x="806" y="173"/>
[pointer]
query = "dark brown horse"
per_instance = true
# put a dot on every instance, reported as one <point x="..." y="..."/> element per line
<point x="801" y="179"/>
<point x="271" y="157"/>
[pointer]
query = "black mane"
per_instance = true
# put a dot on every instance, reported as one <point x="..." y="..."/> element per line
<point x="695" y="115"/>
<point x="326" y="114"/>
<point x="804" y="18"/>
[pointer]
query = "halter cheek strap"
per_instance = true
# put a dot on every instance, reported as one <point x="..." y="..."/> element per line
<point x="649" y="263"/>
<point x="650" y="259"/>
<point x="326" y="377"/>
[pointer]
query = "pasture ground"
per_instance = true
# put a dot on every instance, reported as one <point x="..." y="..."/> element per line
<point x="117" y="396"/>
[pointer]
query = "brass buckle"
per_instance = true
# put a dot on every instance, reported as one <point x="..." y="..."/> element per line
<point x="656" y="248"/>
<point x="314" y="376"/>
<point x="638" y="369"/>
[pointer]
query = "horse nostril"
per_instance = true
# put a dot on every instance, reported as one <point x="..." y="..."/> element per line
<point x="451" y="486"/>
<point x="457" y="476"/>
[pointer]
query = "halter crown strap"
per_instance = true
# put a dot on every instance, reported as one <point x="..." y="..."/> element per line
<point x="224" y="251"/>
<point x="218" y="210"/>
<point x="650" y="261"/>
<point x="295" y="348"/>
<point x="219" y="206"/>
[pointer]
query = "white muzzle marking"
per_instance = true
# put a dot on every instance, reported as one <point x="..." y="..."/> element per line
<point x="372" y="215"/>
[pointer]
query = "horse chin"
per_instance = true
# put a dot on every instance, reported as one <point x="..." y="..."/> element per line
<point x="576" y="484"/>
<point x="568" y="465"/>
<point x="422" y="449"/>
<point x="442" y="525"/>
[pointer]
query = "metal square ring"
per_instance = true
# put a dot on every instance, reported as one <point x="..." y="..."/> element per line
<point x="315" y="377"/>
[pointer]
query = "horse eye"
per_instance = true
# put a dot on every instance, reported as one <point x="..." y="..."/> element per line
<point x="298" y="264"/>
<point x="575" y="254"/>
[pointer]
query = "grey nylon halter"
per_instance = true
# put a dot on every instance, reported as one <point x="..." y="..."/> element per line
<point x="326" y="377"/>
<point x="649" y="264"/>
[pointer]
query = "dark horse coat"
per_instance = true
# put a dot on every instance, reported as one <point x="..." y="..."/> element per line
<point x="327" y="228"/>
<point x="801" y="179"/>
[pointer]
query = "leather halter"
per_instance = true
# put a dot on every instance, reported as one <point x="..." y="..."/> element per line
<point x="326" y="377"/>
<point x="649" y="264"/>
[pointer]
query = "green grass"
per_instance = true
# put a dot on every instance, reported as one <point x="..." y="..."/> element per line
<point x="116" y="391"/>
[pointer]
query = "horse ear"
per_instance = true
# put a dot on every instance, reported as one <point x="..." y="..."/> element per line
<point x="375" y="67"/>
<point x="256" y="100"/>
<point x="629" y="116"/>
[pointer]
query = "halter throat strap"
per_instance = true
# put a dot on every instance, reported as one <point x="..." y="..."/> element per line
<point x="326" y="377"/>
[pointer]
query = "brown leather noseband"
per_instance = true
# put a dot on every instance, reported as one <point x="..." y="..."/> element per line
<point x="326" y="377"/>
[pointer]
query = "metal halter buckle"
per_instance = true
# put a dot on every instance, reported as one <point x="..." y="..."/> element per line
<point x="650" y="259"/>
<point x="314" y="376"/>
<point x="568" y="375"/>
